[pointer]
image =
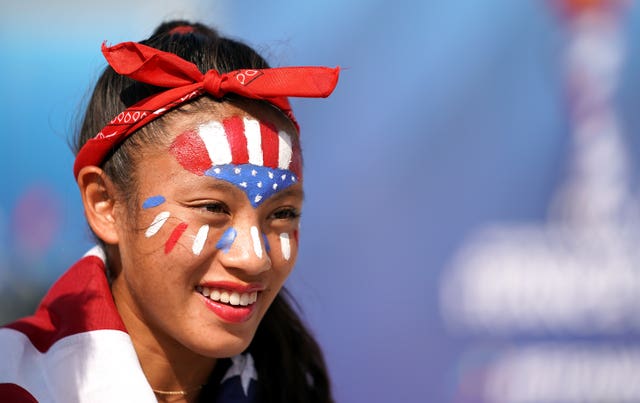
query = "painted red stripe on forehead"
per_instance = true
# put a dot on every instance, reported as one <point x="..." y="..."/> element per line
<point x="296" y="159"/>
<point x="190" y="151"/>
<point x="234" y="127"/>
<point x="269" y="144"/>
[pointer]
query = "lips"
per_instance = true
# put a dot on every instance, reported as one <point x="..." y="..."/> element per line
<point x="230" y="302"/>
<point x="232" y="298"/>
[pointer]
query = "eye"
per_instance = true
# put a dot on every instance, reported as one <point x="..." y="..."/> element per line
<point x="215" y="208"/>
<point x="286" y="213"/>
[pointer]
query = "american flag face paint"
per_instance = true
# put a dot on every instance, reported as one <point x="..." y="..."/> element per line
<point x="285" y="246"/>
<point x="250" y="154"/>
<point x="226" y="240"/>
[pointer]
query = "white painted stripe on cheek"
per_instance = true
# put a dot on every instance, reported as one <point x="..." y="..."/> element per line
<point x="254" y="141"/>
<point x="285" y="245"/>
<point x="284" y="150"/>
<point x="215" y="139"/>
<point x="157" y="223"/>
<point x="201" y="238"/>
<point x="257" y="244"/>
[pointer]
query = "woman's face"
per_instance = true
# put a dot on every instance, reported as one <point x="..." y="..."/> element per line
<point x="214" y="233"/>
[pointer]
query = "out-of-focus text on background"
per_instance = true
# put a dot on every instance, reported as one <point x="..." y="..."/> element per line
<point x="471" y="225"/>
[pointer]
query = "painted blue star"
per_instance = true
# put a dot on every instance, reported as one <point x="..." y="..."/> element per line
<point x="257" y="182"/>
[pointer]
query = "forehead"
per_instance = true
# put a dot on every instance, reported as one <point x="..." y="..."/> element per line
<point x="255" y="155"/>
<point x="236" y="140"/>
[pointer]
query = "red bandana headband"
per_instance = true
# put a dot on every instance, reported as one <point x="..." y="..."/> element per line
<point x="184" y="82"/>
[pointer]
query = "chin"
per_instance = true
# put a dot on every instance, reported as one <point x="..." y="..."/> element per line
<point x="223" y="345"/>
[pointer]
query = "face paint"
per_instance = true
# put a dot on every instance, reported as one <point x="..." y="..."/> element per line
<point x="257" y="245"/>
<point x="153" y="201"/>
<point x="246" y="152"/>
<point x="156" y="224"/>
<point x="266" y="242"/>
<point x="174" y="237"/>
<point x="285" y="245"/>
<point x="201" y="238"/>
<point x="227" y="239"/>
<point x="258" y="183"/>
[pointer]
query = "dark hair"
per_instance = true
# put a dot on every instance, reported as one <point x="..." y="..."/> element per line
<point x="288" y="360"/>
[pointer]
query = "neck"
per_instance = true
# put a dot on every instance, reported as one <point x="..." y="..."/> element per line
<point x="167" y="365"/>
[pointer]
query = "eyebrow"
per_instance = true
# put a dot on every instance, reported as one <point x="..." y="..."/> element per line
<point x="224" y="186"/>
<point x="295" y="192"/>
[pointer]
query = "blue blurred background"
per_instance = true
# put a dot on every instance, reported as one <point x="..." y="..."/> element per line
<point x="436" y="265"/>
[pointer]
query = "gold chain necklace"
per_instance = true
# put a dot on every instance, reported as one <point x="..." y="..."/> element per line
<point x="176" y="392"/>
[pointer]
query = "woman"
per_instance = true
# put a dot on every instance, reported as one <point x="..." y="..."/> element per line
<point x="193" y="187"/>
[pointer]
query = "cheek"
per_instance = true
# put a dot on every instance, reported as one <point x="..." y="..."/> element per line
<point x="284" y="247"/>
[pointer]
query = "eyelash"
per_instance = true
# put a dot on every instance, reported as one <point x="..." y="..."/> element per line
<point x="216" y="208"/>
<point x="286" y="214"/>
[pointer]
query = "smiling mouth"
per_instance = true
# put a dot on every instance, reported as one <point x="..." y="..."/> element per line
<point x="232" y="298"/>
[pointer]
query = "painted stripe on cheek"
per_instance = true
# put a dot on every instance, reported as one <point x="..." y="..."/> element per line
<point x="285" y="245"/>
<point x="153" y="201"/>
<point x="201" y="238"/>
<point x="157" y="223"/>
<point x="227" y="239"/>
<point x="266" y="242"/>
<point x="175" y="235"/>
<point x="257" y="245"/>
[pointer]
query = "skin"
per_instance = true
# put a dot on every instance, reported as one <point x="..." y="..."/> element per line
<point x="176" y="337"/>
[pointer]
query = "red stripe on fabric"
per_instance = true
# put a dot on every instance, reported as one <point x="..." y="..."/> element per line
<point x="80" y="301"/>
<point x="10" y="392"/>
<point x="234" y="128"/>
<point x="270" y="144"/>
<point x="175" y="235"/>
<point x="190" y="151"/>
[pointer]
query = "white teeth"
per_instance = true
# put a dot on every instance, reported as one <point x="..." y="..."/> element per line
<point x="215" y="295"/>
<point x="228" y="297"/>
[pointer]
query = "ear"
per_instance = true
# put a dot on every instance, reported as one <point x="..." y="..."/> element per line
<point x="98" y="198"/>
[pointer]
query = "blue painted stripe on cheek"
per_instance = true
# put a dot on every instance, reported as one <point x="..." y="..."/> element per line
<point x="266" y="243"/>
<point x="153" y="201"/>
<point x="226" y="240"/>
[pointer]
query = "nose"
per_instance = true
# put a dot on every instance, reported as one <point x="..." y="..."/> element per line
<point x="244" y="249"/>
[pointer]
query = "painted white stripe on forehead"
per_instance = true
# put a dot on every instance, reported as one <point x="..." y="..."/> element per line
<point x="254" y="141"/>
<point x="215" y="139"/>
<point x="285" y="150"/>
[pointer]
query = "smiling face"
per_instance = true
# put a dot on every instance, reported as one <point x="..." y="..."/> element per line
<point x="214" y="234"/>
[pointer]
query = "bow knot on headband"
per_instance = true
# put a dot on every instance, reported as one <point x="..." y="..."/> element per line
<point x="184" y="81"/>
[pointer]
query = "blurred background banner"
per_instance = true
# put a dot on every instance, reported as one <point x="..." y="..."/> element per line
<point x="471" y="225"/>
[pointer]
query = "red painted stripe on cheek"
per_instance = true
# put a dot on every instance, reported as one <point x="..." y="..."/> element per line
<point x="234" y="127"/>
<point x="190" y="151"/>
<point x="295" y="236"/>
<point x="175" y="235"/>
<point x="269" y="137"/>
